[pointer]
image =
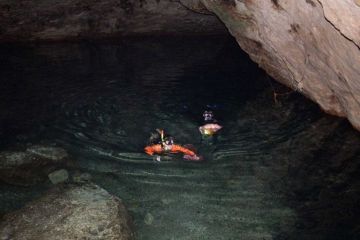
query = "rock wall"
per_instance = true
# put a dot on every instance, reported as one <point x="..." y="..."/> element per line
<point x="88" y="19"/>
<point x="311" y="46"/>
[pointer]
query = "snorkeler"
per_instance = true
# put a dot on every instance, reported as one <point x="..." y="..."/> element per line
<point x="210" y="126"/>
<point x="166" y="145"/>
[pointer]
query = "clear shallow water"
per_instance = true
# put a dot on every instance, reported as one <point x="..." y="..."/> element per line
<point x="276" y="171"/>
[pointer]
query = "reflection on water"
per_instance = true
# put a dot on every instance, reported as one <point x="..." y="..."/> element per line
<point x="276" y="171"/>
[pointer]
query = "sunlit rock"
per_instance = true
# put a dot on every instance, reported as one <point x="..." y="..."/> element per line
<point x="70" y="212"/>
<point x="344" y="15"/>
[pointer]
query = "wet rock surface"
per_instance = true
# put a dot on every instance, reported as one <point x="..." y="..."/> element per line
<point x="69" y="212"/>
<point x="32" y="165"/>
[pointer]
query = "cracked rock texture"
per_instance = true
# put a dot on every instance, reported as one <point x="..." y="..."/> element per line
<point x="311" y="46"/>
<point x="69" y="212"/>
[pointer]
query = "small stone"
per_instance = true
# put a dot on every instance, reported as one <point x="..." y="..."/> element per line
<point x="59" y="176"/>
<point x="149" y="219"/>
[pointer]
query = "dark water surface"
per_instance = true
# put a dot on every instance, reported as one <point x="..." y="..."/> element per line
<point x="276" y="171"/>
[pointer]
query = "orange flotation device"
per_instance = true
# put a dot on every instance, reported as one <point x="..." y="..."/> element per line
<point x="158" y="149"/>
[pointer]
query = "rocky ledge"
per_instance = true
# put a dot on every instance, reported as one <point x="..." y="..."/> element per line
<point x="69" y="212"/>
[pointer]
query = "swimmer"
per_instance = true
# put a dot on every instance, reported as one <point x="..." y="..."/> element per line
<point x="166" y="145"/>
<point x="210" y="126"/>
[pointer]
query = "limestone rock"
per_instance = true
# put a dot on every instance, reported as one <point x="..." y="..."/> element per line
<point x="31" y="166"/>
<point x="69" y="212"/>
<point x="344" y="15"/>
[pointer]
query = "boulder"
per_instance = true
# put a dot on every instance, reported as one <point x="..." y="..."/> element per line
<point x="69" y="212"/>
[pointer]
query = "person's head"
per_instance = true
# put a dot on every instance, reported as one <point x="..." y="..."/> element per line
<point x="208" y="116"/>
<point x="167" y="143"/>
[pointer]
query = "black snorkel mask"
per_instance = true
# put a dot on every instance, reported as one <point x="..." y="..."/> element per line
<point x="167" y="144"/>
<point x="208" y="116"/>
<point x="165" y="141"/>
<point x="169" y="141"/>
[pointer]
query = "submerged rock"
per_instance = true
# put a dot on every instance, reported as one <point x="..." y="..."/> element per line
<point x="81" y="177"/>
<point x="53" y="153"/>
<point x="59" y="176"/>
<point x="32" y="166"/>
<point x="70" y="212"/>
<point x="148" y="219"/>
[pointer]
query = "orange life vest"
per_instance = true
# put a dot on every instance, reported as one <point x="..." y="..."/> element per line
<point x="158" y="149"/>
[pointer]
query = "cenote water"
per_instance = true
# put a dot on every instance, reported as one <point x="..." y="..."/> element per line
<point x="277" y="170"/>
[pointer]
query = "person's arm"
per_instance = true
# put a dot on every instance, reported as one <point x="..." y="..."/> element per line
<point x="149" y="150"/>
<point x="178" y="148"/>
